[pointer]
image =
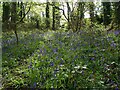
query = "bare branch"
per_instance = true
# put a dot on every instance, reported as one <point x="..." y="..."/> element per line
<point x="61" y="10"/>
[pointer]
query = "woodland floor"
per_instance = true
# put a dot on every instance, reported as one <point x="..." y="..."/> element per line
<point x="58" y="59"/>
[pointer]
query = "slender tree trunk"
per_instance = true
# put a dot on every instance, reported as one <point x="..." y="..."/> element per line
<point x="47" y="15"/>
<point x="53" y="23"/>
<point x="37" y="23"/>
<point x="78" y="16"/>
<point x="106" y="13"/>
<point x="6" y="15"/>
<point x="57" y="16"/>
<point x="91" y="6"/>
<point x="13" y="20"/>
<point x="81" y="14"/>
<point x="117" y="14"/>
<point x="21" y="9"/>
<point x="68" y="13"/>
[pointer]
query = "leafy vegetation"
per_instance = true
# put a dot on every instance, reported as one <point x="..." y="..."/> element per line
<point x="63" y="60"/>
<point x="58" y="48"/>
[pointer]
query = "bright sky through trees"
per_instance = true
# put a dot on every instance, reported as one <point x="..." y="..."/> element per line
<point x="59" y="45"/>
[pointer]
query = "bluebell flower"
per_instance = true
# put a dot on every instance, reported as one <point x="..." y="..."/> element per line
<point x="96" y="44"/>
<point x="78" y="44"/>
<point x="51" y="63"/>
<point x="44" y="50"/>
<point x="109" y="38"/>
<point x="83" y="44"/>
<point x="34" y="85"/>
<point x="117" y="32"/>
<point x="61" y="63"/>
<point x="76" y="57"/>
<point x="75" y="84"/>
<point x="82" y="72"/>
<point x="94" y="51"/>
<point x="55" y="50"/>
<point x="116" y="88"/>
<point x="41" y="51"/>
<point x="30" y="66"/>
<point x="57" y="57"/>
<point x="113" y="44"/>
<point x="74" y="48"/>
<point x="93" y="58"/>
<point x="111" y="82"/>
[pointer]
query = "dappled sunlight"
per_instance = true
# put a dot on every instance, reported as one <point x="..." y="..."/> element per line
<point x="66" y="56"/>
<point x="56" y="45"/>
<point x="49" y="35"/>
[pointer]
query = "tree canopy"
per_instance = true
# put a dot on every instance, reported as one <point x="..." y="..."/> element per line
<point x="59" y="45"/>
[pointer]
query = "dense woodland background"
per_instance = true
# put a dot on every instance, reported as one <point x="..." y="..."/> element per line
<point x="60" y="45"/>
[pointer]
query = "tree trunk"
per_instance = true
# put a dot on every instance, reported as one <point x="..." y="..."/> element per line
<point x="81" y="14"/>
<point x="117" y="14"/>
<point x="53" y="23"/>
<point x="78" y="16"/>
<point x="91" y="7"/>
<point x="13" y="20"/>
<point x="37" y="23"/>
<point x="68" y="13"/>
<point x="57" y="16"/>
<point x="21" y="9"/>
<point x="6" y="15"/>
<point x="47" y="16"/>
<point x="106" y="13"/>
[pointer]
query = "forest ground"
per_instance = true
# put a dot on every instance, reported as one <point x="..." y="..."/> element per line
<point x="59" y="59"/>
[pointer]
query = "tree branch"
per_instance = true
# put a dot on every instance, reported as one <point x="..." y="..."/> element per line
<point x="61" y="10"/>
<point x="24" y="15"/>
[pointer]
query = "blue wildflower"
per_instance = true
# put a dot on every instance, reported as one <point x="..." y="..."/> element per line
<point x="61" y="63"/>
<point x="35" y="84"/>
<point x="82" y="72"/>
<point x="76" y="57"/>
<point x="45" y="50"/>
<point x="92" y="58"/>
<point x="51" y="63"/>
<point x="55" y="50"/>
<point x="57" y="57"/>
<point x="116" y="88"/>
<point x="41" y="51"/>
<point x="75" y="84"/>
<point x="117" y="32"/>
<point x="113" y="44"/>
<point x="30" y="66"/>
